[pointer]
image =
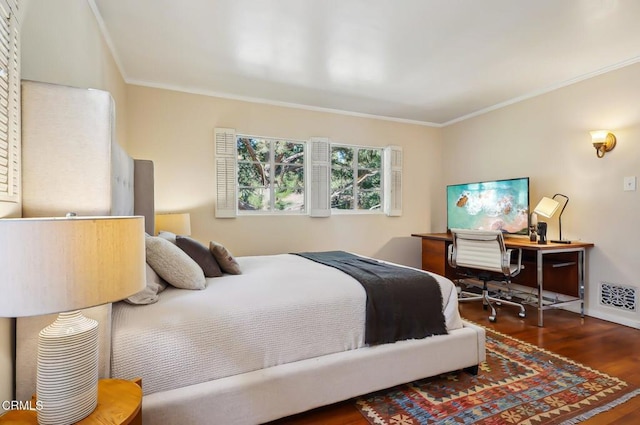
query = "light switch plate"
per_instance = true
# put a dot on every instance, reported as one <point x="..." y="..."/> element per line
<point x="630" y="183"/>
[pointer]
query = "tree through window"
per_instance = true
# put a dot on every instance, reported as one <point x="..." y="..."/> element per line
<point x="356" y="178"/>
<point x="271" y="176"/>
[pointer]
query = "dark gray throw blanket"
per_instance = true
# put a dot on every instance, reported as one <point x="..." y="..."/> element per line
<point x="402" y="303"/>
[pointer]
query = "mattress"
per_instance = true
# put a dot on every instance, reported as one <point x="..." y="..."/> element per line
<point x="283" y="308"/>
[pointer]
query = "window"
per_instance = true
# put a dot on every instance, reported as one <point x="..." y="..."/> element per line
<point x="258" y="175"/>
<point x="356" y="178"/>
<point x="271" y="175"/>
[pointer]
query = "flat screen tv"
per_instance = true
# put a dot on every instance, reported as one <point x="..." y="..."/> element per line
<point x="490" y="205"/>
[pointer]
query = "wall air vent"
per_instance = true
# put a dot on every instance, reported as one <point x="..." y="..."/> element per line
<point x="622" y="297"/>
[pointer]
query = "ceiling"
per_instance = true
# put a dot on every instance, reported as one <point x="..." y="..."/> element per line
<point x="432" y="62"/>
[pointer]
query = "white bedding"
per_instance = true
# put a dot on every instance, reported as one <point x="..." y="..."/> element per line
<point x="283" y="308"/>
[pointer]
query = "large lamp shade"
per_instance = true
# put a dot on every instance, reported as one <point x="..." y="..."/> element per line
<point x="51" y="265"/>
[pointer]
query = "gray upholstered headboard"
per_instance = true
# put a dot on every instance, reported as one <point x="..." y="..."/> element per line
<point x="71" y="162"/>
<point x="143" y="202"/>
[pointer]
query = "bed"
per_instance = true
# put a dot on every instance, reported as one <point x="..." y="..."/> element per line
<point x="245" y="349"/>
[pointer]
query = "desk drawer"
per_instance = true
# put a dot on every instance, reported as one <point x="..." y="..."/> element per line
<point x="559" y="273"/>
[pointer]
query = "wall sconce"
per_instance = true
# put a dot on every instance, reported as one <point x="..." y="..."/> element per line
<point x="603" y="141"/>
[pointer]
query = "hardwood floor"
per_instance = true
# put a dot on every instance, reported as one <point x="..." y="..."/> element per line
<point x="605" y="346"/>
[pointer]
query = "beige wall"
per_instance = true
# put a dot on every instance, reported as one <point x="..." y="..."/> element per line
<point x="60" y="43"/>
<point x="547" y="138"/>
<point x="175" y="130"/>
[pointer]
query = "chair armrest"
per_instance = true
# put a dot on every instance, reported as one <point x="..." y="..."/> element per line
<point x="506" y="261"/>
<point x="450" y="256"/>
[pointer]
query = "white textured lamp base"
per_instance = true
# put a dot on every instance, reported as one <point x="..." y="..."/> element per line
<point x="67" y="379"/>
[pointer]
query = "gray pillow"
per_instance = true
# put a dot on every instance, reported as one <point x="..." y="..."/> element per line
<point x="225" y="259"/>
<point x="149" y="295"/>
<point x="200" y="254"/>
<point x="173" y="264"/>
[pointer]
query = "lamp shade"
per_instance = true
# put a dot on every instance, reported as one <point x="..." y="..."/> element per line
<point x="547" y="207"/>
<point x="599" y="136"/>
<point x="51" y="265"/>
<point x="178" y="223"/>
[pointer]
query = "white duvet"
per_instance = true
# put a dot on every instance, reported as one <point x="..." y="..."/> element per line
<point x="283" y="308"/>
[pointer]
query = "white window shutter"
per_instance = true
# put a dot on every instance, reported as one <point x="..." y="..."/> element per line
<point x="10" y="163"/>
<point x="393" y="181"/>
<point x="226" y="156"/>
<point x="320" y="177"/>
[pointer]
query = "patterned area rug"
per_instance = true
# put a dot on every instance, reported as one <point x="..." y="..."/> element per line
<point x="518" y="384"/>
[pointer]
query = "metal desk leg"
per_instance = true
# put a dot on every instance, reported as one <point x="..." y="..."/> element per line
<point x="539" y="279"/>
<point x="581" y="255"/>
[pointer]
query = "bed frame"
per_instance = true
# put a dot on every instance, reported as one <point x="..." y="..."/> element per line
<point x="105" y="181"/>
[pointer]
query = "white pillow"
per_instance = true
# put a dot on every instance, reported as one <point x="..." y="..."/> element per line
<point x="173" y="264"/>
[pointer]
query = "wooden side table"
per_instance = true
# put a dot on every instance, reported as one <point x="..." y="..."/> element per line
<point x="119" y="403"/>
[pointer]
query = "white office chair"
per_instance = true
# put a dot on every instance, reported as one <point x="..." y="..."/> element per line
<point x="482" y="255"/>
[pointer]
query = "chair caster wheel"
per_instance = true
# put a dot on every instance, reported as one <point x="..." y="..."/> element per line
<point x="485" y="307"/>
<point x="492" y="319"/>
<point x="522" y="314"/>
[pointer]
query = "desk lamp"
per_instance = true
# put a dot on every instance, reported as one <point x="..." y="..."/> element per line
<point x="52" y="265"/>
<point x="547" y="207"/>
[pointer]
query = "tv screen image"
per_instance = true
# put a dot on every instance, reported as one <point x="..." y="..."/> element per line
<point x="490" y="205"/>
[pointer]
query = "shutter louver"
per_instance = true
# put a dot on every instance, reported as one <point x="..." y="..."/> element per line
<point x="9" y="103"/>
<point x="15" y="107"/>
<point x="225" y="149"/>
<point x="320" y="177"/>
<point x="393" y="181"/>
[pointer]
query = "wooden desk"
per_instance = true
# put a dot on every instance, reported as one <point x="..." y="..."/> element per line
<point x="554" y="267"/>
<point x="119" y="403"/>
